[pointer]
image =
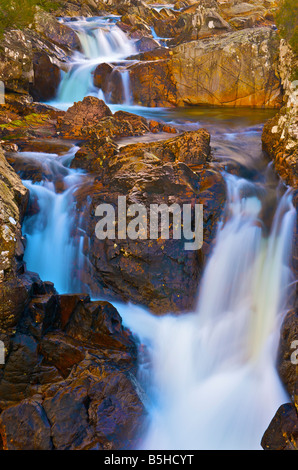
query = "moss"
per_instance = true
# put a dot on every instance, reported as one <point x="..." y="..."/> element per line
<point x="12" y="16"/>
<point x="29" y="120"/>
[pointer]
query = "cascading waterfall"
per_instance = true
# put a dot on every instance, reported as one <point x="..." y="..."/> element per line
<point x="213" y="382"/>
<point x="51" y="250"/>
<point x="101" y="41"/>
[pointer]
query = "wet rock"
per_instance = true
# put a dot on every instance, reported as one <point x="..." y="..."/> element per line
<point x="282" y="433"/>
<point x="91" y="155"/>
<point x="115" y="410"/>
<point x="24" y="120"/>
<point x="46" y="77"/>
<point x="153" y="83"/>
<point x="147" y="44"/>
<point x="69" y="380"/>
<point x="101" y="76"/>
<point x="192" y="148"/>
<point x="19" y="60"/>
<point x="83" y="114"/>
<point x="160" y="274"/>
<point x="16" y="65"/>
<point x="13" y="202"/>
<point x="287" y="368"/>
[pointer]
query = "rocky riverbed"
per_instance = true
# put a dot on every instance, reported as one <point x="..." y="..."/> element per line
<point x="71" y="377"/>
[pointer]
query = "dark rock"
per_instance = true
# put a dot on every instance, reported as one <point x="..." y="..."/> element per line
<point x="46" y="78"/>
<point x="282" y="433"/>
<point x="83" y="114"/>
<point x="160" y="274"/>
<point x="288" y="370"/>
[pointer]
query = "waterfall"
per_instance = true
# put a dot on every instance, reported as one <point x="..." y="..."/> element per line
<point x="212" y="379"/>
<point x="51" y="250"/>
<point x="101" y="41"/>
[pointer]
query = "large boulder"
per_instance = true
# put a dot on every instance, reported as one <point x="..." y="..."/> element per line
<point x="13" y="201"/>
<point x="21" y="66"/>
<point x="82" y="115"/>
<point x="288" y="369"/>
<point x="233" y="69"/>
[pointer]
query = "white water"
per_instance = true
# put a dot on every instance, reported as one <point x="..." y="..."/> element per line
<point x="101" y="41"/>
<point x="51" y="251"/>
<point x="212" y="380"/>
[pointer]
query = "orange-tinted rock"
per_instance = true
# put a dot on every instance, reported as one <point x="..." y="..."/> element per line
<point x="288" y="371"/>
<point x="153" y="83"/>
<point x="215" y="71"/>
<point x="160" y="274"/>
<point x="192" y="148"/>
<point x="101" y="75"/>
<point x="147" y="44"/>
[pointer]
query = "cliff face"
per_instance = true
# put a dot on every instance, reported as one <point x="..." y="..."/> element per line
<point x="280" y="135"/>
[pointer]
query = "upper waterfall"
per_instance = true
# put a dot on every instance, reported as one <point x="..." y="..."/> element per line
<point x="101" y="41"/>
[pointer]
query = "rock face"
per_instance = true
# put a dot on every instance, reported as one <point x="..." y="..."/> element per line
<point x="159" y="273"/>
<point x="30" y="60"/>
<point x="288" y="371"/>
<point x="280" y="135"/>
<point x="58" y="33"/>
<point x="13" y="201"/>
<point x="235" y="69"/>
<point x="68" y="382"/>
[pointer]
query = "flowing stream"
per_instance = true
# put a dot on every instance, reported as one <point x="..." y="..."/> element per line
<point x="211" y="380"/>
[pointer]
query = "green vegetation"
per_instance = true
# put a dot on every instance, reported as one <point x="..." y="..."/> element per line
<point x="287" y="22"/>
<point x="30" y="120"/>
<point x="14" y="14"/>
